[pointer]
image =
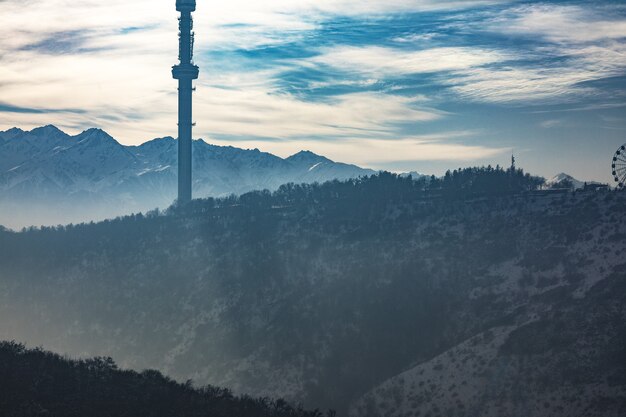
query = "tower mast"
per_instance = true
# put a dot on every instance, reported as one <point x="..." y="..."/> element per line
<point x="185" y="72"/>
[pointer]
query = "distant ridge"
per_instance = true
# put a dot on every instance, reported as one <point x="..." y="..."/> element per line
<point x="50" y="177"/>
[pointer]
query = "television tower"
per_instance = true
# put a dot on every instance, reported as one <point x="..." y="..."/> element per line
<point x="185" y="72"/>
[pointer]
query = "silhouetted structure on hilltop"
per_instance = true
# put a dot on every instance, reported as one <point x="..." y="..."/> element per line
<point x="185" y="72"/>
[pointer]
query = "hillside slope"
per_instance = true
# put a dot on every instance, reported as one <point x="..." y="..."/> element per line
<point x="340" y="295"/>
<point x="565" y="359"/>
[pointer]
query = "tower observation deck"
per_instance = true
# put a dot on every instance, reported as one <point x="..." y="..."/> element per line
<point x="185" y="72"/>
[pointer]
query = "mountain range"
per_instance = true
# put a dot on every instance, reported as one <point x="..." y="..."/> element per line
<point x="50" y="177"/>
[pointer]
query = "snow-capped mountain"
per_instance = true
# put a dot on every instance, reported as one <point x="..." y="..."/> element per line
<point x="48" y="176"/>
<point x="564" y="180"/>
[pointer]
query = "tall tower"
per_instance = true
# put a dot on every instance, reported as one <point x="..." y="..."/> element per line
<point x="185" y="72"/>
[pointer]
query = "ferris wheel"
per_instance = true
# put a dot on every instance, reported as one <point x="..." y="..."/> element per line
<point x="619" y="166"/>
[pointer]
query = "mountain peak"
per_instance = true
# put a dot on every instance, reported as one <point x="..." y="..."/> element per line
<point x="562" y="176"/>
<point x="95" y="135"/>
<point x="13" y="130"/>
<point x="308" y="157"/>
<point x="564" y="180"/>
<point x="166" y="140"/>
<point x="11" y="133"/>
<point x="48" y="130"/>
<point x="93" y="130"/>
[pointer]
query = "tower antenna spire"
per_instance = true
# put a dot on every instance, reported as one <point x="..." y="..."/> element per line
<point x="185" y="72"/>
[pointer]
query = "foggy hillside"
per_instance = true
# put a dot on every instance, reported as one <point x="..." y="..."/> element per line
<point x="473" y="294"/>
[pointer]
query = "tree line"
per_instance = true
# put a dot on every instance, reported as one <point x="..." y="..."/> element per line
<point x="35" y="382"/>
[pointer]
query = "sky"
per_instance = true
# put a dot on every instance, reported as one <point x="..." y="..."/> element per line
<point x="401" y="85"/>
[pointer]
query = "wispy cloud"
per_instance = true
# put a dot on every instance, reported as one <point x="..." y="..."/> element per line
<point x="560" y="23"/>
<point x="415" y="37"/>
<point x="8" y="108"/>
<point x="255" y="112"/>
<point x="526" y="84"/>
<point x="71" y="41"/>
<point x="548" y="124"/>
<point x="379" y="152"/>
<point x="376" y="61"/>
<point x="578" y="46"/>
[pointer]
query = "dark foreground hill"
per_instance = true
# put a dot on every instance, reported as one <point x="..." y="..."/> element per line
<point x="470" y="295"/>
<point x="39" y="383"/>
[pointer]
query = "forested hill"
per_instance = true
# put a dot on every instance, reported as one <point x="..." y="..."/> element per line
<point x="38" y="383"/>
<point x="378" y="296"/>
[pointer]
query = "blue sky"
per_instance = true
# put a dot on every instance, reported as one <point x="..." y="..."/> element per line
<point x="399" y="85"/>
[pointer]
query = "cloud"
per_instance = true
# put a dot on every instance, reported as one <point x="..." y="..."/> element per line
<point x="560" y="23"/>
<point x="8" y="108"/>
<point x="376" y="61"/>
<point x="256" y="112"/>
<point x="70" y="41"/>
<point x="380" y="152"/>
<point x="560" y="52"/>
<point x="548" y="124"/>
<point x="562" y="68"/>
<point x="525" y="85"/>
<point x="415" y="37"/>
